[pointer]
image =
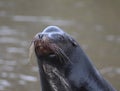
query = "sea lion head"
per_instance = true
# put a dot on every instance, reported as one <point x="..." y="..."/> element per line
<point x="54" y="45"/>
<point x="53" y="48"/>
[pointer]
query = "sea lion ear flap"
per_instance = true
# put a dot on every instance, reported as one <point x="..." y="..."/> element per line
<point x="72" y="40"/>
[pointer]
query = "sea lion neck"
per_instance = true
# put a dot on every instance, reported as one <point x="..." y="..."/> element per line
<point x="89" y="77"/>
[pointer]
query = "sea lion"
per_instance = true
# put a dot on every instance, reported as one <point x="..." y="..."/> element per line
<point x="63" y="65"/>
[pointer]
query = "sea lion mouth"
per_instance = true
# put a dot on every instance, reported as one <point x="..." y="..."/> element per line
<point x="47" y="49"/>
<point x="43" y="47"/>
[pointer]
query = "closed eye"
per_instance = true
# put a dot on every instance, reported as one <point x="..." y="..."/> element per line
<point x="59" y="37"/>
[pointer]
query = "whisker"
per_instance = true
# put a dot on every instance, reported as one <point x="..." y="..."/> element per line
<point x="61" y="55"/>
<point x="31" y="50"/>
<point x="52" y="47"/>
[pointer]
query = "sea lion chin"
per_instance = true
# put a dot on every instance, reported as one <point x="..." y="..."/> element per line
<point x="63" y="65"/>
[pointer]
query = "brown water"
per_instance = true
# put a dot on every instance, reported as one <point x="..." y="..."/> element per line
<point x="95" y="24"/>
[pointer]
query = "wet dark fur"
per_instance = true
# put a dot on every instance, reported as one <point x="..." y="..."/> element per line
<point x="69" y="69"/>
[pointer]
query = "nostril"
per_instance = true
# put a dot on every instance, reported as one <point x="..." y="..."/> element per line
<point x="40" y="36"/>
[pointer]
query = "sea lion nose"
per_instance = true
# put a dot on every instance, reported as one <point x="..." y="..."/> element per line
<point x="40" y="36"/>
<point x="43" y="36"/>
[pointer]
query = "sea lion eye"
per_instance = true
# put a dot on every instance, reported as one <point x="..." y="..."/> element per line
<point x="61" y="37"/>
<point x="74" y="43"/>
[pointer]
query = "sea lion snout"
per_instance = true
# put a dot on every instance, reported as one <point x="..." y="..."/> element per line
<point x="53" y="38"/>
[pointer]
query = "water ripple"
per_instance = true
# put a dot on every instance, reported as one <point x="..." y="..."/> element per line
<point x="12" y="40"/>
<point x="43" y="19"/>
<point x="28" y="78"/>
<point x="7" y="4"/>
<point x="6" y="68"/>
<point x="8" y="40"/>
<point x="113" y="38"/>
<point x="4" y="84"/>
<point x="5" y="30"/>
<point x="16" y="50"/>
<point x="8" y="62"/>
<point x="111" y="71"/>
